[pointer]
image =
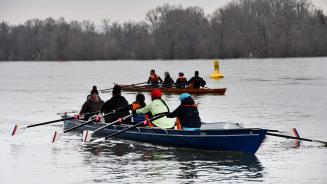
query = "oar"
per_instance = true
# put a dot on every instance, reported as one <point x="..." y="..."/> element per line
<point x="87" y="135"/>
<point x="77" y="116"/>
<point x="129" y="128"/>
<point x="94" y="119"/>
<point x="297" y="138"/>
<point x="109" y="89"/>
<point x="64" y="113"/>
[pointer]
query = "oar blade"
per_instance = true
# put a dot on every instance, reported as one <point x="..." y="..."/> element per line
<point x="99" y="140"/>
<point x="18" y="129"/>
<point x="56" y="136"/>
<point x="87" y="135"/>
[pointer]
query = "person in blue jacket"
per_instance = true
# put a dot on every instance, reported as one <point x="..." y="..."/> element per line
<point x="187" y="113"/>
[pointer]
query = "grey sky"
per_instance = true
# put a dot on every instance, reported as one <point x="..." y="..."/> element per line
<point x="18" y="11"/>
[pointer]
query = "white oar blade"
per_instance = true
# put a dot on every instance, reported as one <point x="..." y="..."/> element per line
<point x="99" y="140"/>
<point x="87" y="135"/>
<point x="56" y="136"/>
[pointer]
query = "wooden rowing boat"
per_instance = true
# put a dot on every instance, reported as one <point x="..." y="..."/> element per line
<point x="215" y="91"/>
<point x="236" y="139"/>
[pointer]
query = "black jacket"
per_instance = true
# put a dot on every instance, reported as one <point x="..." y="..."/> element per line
<point x="197" y="82"/>
<point x="168" y="82"/>
<point x="181" y="82"/>
<point x="187" y="113"/>
<point x="115" y="103"/>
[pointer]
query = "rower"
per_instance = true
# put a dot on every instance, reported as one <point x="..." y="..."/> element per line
<point x="92" y="104"/>
<point x="117" y="101"/>
<point x="181" y="81"/>
<point x="157" y="107"/>
<point x="187" y="113"/>
<point x="168" y="81"/>
<point x="137" y="104"/>
<point x="154" y="79"/>
<point x="196" y="82"/>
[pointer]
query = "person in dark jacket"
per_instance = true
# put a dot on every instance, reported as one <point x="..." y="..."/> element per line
<point x="92" y="104"/>
<point x="154" y="79"/>
<point x="168" y="81"/>
<point x="187" y="113"/>
<point x="116" y="102"/>
<point x="196" y="82"/>
<point x="137" y="104"/>
<point x="181" y="81"/>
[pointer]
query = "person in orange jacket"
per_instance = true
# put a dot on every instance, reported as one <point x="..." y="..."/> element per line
<point x="154" y="79"/>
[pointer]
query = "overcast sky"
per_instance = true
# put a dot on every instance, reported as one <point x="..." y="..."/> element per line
<point x="18" y="11"/>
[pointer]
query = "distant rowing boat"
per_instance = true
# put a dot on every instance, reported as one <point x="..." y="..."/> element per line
<point x="236" y="139"/>
<point x="215" y="91"/>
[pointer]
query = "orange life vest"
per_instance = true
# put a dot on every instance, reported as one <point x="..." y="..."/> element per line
<point x="150" y="124"/>
<point x="178" y="124"/>
<point x="135" y="106"/>
<point x="154" y="78"/>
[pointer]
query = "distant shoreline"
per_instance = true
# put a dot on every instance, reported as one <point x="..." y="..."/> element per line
<point x="241" y="29"/>
<point x="162" y="60"/>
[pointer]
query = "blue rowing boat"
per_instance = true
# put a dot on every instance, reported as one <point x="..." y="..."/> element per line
<point x="237" y="139"/>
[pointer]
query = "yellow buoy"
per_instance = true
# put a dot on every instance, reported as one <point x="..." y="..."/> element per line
<point x="216" y="74"/>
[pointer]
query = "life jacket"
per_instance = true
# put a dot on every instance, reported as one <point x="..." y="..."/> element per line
<point x="181" y="82"/>
<point x="150" y="124"/>
<point x="154" y="78"/>
<point x="135" y="106"/>
<point x="178" y="124"/>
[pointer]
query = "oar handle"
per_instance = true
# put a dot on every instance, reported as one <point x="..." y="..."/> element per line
<point x="58" y="120"/>
<point x="112" y="123"/>
<point x="134" y="126"/>
<point x="73" y="128"/>
<point x="88" y="122"/>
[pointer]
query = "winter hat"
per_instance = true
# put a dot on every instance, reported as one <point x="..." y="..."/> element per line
<point x="94" y="90"/>
<point x="184" y="96"/>
<point x="156" y="93"/>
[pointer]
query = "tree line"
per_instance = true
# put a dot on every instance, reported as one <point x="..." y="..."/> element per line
<point x="242" y="28"/>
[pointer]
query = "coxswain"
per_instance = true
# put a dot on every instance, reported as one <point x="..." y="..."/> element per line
<point x="187" y="113"/>
<point x="154" y="79"/>
<point x="116" y="103"/>
<point x="181" y="81"/>
<point x="196" y="82"/>
<point x="92" y="104"/>
<point x="158" y="107"/>
<point x="168" y="81"/>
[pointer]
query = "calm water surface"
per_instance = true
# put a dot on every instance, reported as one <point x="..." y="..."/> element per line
<point x="268" y="93"/>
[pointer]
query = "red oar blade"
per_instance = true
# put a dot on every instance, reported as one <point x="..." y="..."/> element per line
<point x="56" y="136"/>
<point x="17" y="130"/>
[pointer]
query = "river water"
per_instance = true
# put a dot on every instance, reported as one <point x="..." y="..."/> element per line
<point x="266" y="93"/>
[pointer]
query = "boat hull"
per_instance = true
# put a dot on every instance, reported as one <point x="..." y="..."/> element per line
<point x="216" y="91"/>
<point x="241" y="140"/>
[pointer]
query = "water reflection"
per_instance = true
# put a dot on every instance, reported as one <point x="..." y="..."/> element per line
<point x="186" y="165"/>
